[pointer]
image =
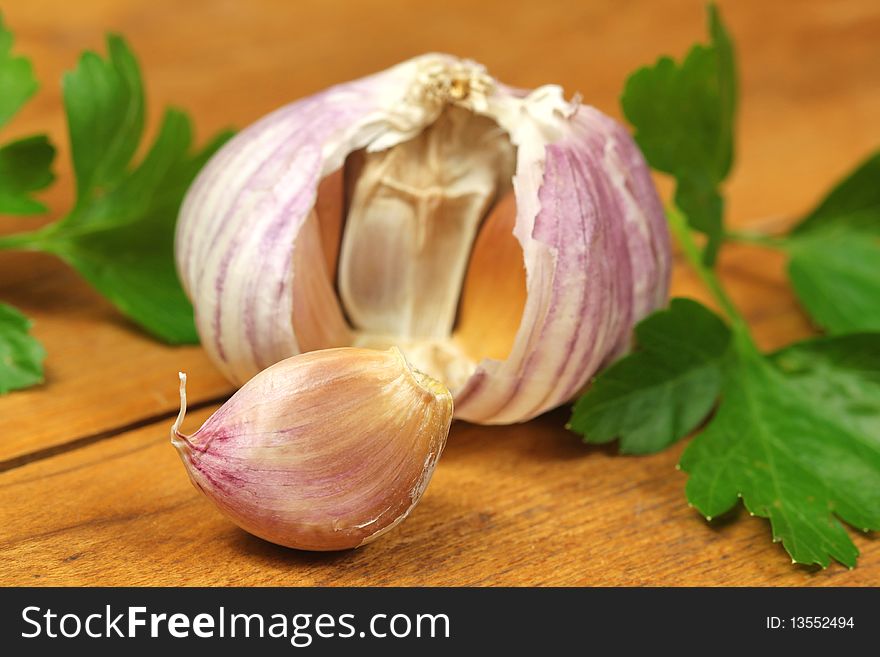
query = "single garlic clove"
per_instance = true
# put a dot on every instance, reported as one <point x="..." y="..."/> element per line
<point x="323" y="451"/>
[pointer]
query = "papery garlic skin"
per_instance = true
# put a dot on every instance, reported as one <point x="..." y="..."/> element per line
<point x="594" y="241"/>
<point x="323" y="451"/>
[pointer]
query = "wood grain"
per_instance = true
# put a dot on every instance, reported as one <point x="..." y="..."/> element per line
<point x="101" y="373"/>
<point x="508" y="505"/>
<point x="515" y="505"/>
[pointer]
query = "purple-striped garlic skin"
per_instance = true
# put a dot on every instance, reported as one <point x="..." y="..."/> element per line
<point x="322" y="451"/>
<point x="594" y="252"/>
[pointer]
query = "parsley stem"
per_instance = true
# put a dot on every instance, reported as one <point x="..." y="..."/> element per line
<point x="22" y="241"/>
<point x="759" y="239"/>
<point x="679" y="227"/>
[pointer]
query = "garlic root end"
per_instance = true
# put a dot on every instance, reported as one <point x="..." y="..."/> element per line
<point x="176" y="435"/>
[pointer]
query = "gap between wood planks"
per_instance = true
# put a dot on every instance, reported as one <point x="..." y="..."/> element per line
<point x="84" y="441"/>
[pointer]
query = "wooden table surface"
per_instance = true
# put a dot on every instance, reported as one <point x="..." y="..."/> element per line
<point x="91" y="491"/>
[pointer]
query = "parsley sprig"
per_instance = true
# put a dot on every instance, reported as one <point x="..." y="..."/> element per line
<point x="25" y="167"/>
<point x="796" y="433"/>
<point x="120" y="232"/>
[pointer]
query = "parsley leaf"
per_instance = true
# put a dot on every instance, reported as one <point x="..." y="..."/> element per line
<point x="662" y="391"/>
<point x="104" y="100"/>
<point x="683" y="116"/>
<point x="834" y="253"/>
<point x="797" y="436"/>
<point x="122" y="242"/>
<point x="25" y="164"/>
<point x="21" y="356"/>
<point x="16" y="77"/>
<point x="25" y="167"/>
<point x="120" y="233"/>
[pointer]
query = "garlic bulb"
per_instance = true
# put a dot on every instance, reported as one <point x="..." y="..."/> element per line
<point x="323" y="451"/>
<point x="505" y="240"/>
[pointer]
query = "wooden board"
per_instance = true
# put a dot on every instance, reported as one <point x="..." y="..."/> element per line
<point x="92" y="493"/>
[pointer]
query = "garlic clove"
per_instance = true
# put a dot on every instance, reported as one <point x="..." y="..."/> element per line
<point x="327" y="450"/>
<point x="330" y="215"/>
<point x="317" y="315"/>
<point x="411" y="224"/>
<point x="494" y="292"/>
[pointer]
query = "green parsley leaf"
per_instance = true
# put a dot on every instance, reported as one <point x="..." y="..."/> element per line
<point x="834" y="253"/>
<point x="104" y="100"/>
<point x="123" y="241"/>
<point x="25" y="164"/>
<point x="663" y="390"/>
<point x="17" y="80"/>
<point x="683" y="116"/>
<point x="120" y="233"/>
<point x="854" y="201"/>
<point x="21" y="356"/>
<point x="797" y="437"/>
